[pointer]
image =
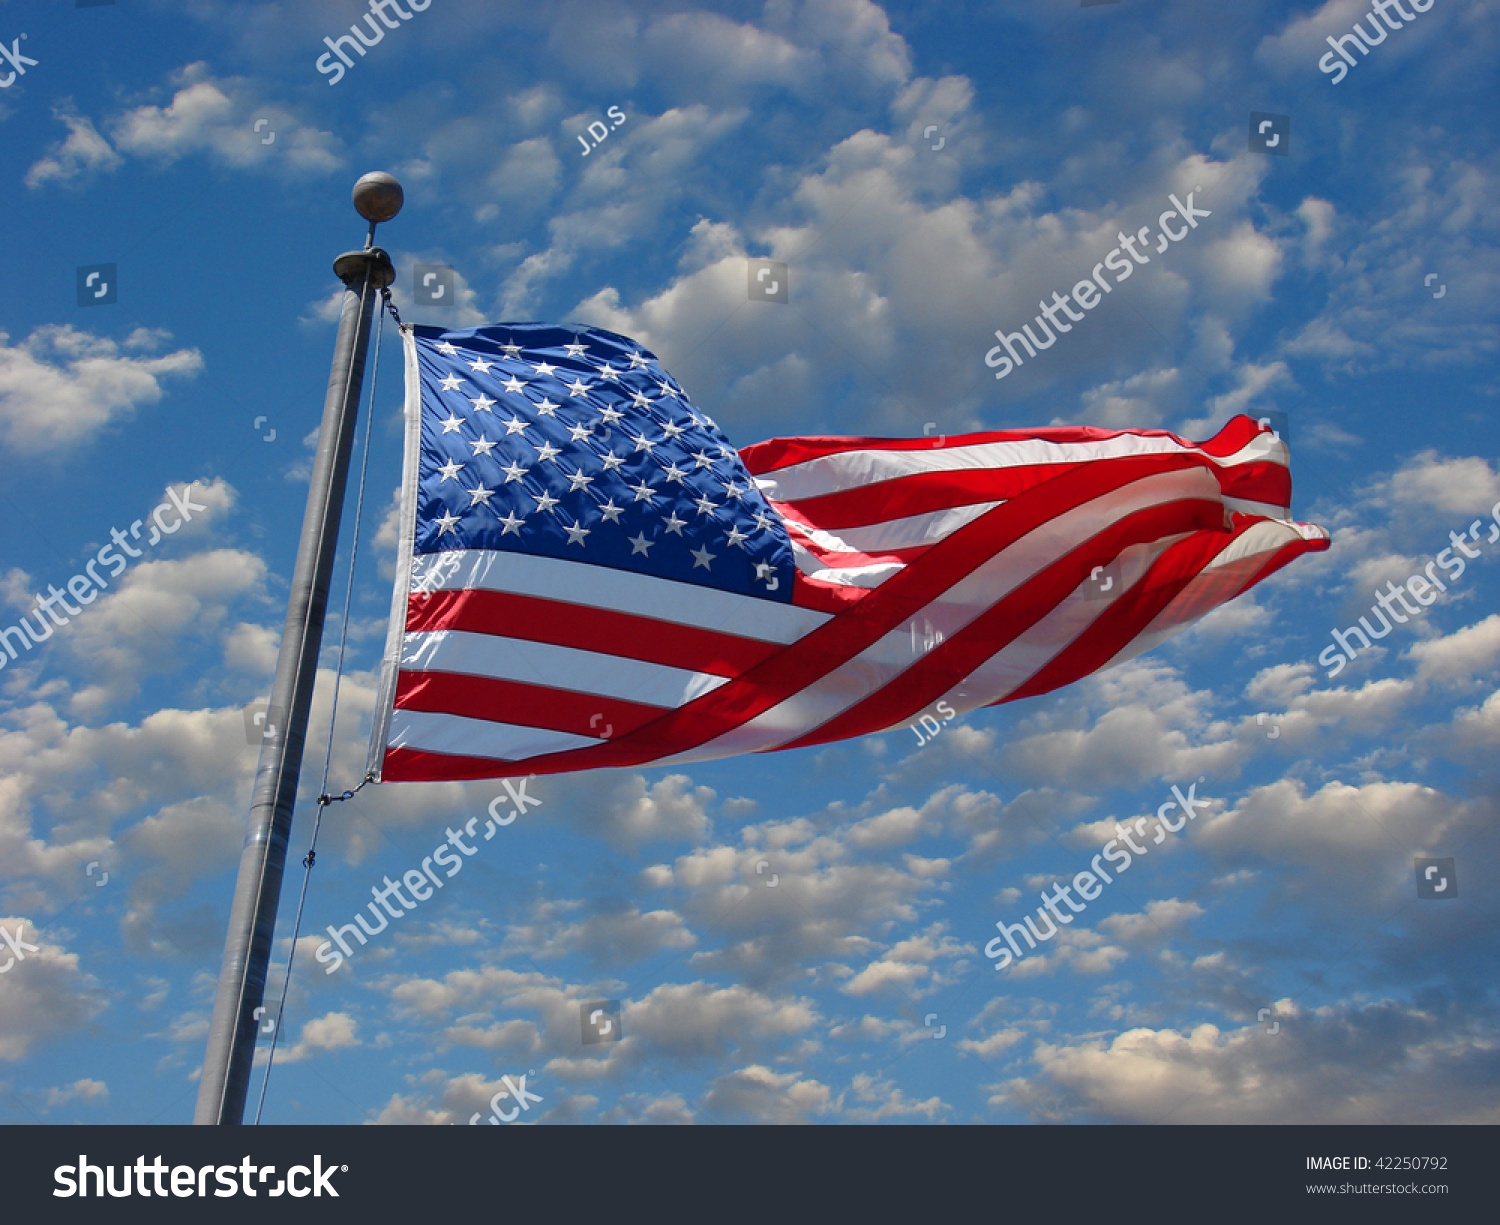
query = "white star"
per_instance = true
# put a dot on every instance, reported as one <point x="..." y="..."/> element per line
<point x="514" y="473"/>
<point x="666" y="388"/>
<point x="577" y="388"/>
<point x="577" y="481"/>
<point x="512" y="524"/>
<point x="548" y="451"/>
<point x="448" y="523"/>
<point x="446" y="348"/>
<point x="451" y="383"/>
<point x="482" y="404"/>
<point x="515" y="426"/>
<point x="640" y="401"/>
<point x="726" y="452"/>
<point x="546" y="408"/>
<point x="608" y="372"/>
<point x="511" y="350"/>
<point x="611" y="512"/>
<point x="542" y="367"/>
<point x="639" y="544"/>
<point x="764" y="570"/>
<point x="480" y="495"/>
<point x="545" y="502"/>
<point x="612" y="461"/>
<point x="643" y="492"/>
<point x="705" y="506"/>
<point x="703" y="460"/>
<point x="450" y="471"/>
<point x="514" y="385"/>
<point x="636" y="360"/>
<point x="573" y="350"/>
<point x="763" y="521"/>
<point x="701" y="557"/>
<point x="671" y="429"/>
<point x="642" y="443"/>
<point x="451" y="424"/>
<point x="675" y="525"/>
<point x="579" y="432"/>
<point x="733" y="490"/>
<point x="737" y="538"/>
<point x="674" y="473"/>
<point x="610" y="415"/>
<point x="480" y="365"/>
<point x="576" y="533"/>
<point x="483" y="446"/>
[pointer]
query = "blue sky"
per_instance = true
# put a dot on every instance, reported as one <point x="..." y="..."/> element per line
<point x="926" y="172"/>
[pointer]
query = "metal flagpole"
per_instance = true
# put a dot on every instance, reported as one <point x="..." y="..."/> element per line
<point x="252" y="920"/>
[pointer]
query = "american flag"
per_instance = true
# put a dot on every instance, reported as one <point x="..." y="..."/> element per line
<point x="591" y="576"/>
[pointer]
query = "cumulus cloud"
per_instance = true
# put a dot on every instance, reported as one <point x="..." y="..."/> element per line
<point x="334" y="1031"/>
<point x="82" y="153"/>
<point x="1436" y="1066"/>
<point x="84" y="1090"/>
<point x="217" y="117"/>
<point x="1152" y="724"/>
<point x="757" y="1094"/>
<point x="609" y="935"/>
<point x="44" y="992"/>
<point x="60" y="386"/>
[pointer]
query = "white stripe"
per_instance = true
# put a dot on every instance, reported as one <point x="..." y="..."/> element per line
<point x="617" y="590"/>
<point x="406" y="534"/>
<point x="893" y="534"/>
<point x="540" y="663"/>
<point x="426" y="731"/>
<point x="1267" y="510"/>
<point x="868" y="574"/>
<point x="852" y="469"/>
<point x="950" y="612"/>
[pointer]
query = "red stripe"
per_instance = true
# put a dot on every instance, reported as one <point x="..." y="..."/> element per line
<point x="483" y="697"/>
<point x="1262" y="481"/>
<point x="600" y="630"/>
<point x="929" y="678"/>
<point x="899" y="598"/>
<point x="1129" y="616"/>
<point x="921" y="493"/>
<point x="414" y="766"/>
<point x="763" y="458"/>
<point x="401" y="765"/>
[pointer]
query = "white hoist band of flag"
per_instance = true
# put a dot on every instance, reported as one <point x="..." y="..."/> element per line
<point x="590" y="576"/>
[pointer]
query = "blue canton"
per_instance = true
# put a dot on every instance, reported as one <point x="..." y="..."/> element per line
<point x="575" y="443"/>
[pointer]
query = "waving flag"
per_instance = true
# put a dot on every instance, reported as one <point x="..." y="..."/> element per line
<point x="591" y="576"/>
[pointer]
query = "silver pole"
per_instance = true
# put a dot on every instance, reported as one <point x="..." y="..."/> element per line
<point x="252" y="920"/>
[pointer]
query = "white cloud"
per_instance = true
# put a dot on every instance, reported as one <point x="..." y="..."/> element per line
<point x="1434" y="1071"/>
<point x="83" y="152"/>
<point x="1159" y="920"/>
<point x="760" y="1095"/>
<point x="334" y="1031"/>
<point x="44" y="993"/>
<point x="84" y="1090"/>
<point x="60" y="385"/>
<point x="1463" y="654"/>
<point x="219" y="117"/>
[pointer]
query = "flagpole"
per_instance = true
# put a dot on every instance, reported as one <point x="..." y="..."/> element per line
<point x="252" y="919"/>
